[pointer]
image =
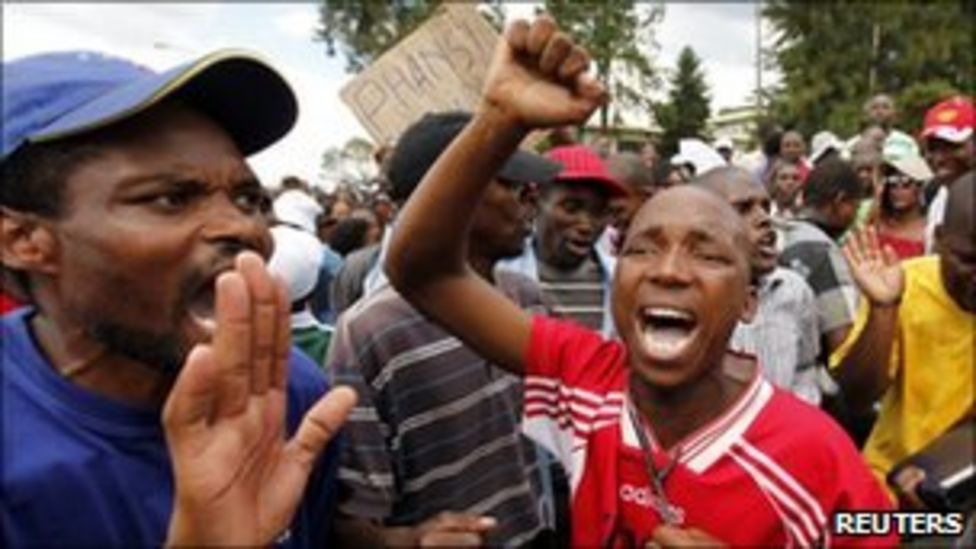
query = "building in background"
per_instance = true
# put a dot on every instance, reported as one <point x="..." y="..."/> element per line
<point x="737" y="124"/>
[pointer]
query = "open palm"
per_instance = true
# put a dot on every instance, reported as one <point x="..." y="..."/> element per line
<point x="877" y="271"/>
<point x="238" y="480"/>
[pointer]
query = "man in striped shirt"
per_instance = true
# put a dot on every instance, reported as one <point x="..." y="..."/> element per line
<point x="665" y="435"/>
<point x="435" y="440"/>
<point x="784" y="334"/>
<point x="562" y="256"/>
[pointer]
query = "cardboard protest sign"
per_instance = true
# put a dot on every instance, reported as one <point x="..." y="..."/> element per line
<point x="440" y="66"/>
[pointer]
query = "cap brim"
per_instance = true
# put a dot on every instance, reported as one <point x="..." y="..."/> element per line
<point x="820" y="152"/>
<point x="242" y="93"/>
<point x="525" y="167"/>
<point x="611" y="186"/>
<point x="947" y="133"/>
<point x="913" y="166"/>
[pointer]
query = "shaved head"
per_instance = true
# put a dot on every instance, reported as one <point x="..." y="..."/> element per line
<point x="694" y="199"/>
<point x="724" y="180"/>
<point x="751" y="201"/>
<point x="627" y="168"/>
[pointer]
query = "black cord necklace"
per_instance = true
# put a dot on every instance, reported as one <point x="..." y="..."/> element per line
<point x="669" y="513"/>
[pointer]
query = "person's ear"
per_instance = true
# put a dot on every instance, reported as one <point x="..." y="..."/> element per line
<point x="837" y="205"/>
<point x="28" y="242"/>
<point x="751" y="305"/>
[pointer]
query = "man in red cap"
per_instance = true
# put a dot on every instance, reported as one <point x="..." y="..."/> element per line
<point x="573" y="272"/>
<point x="949" y="148"/>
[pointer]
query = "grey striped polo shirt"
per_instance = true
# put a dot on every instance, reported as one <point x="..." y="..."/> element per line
<point x="436" y="427"/>
<point x="575" y="294"/>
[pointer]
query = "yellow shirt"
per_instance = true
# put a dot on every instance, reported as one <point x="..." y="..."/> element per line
<point x="932" y="367"/>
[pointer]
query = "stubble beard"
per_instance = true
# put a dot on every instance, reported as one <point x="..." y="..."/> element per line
<point x="164" y="352"/>
<point x="161" y="352"/>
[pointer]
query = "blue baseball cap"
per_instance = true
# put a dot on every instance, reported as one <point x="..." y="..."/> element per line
<point x="53" y="96"/>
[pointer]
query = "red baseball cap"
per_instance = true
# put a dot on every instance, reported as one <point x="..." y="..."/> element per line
<point x="581" y="163"/>
<point x="951" y="120"/>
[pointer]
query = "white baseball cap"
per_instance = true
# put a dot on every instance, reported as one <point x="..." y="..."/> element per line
<point x="296" y="259"/>
<point x="901" y="152"/>
<point x="822" y="143"/>
<point x="298" y="209"/>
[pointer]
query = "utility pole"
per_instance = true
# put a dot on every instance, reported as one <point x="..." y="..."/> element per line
<point x="875" y="47"/>
<point x="759" y="88"/>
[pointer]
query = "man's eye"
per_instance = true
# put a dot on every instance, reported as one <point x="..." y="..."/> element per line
<point x="172" y="200"/>
<point x="572" y="206"/>
<point x="712" y="257"/>
<point x="254" y="201"/>
<point x="641" y="249"/>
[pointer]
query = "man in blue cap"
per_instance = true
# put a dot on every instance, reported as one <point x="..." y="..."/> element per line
<point x="150" y="393"/>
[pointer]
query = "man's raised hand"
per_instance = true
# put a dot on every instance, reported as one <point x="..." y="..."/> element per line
<point x="876" y="269"/>
<point x="237" y="480"/>
<point x="538" y="78"/>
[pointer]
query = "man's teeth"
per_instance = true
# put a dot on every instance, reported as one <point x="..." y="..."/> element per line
<point x="667" y="331"/>
<point x="668" y="313"/>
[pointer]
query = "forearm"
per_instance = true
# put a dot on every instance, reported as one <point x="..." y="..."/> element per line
<point x="358" y="532"/>
<point x="446" y="529"/>
<point x="863" y="372"/>
<point x="191" y="527"/>
<point x="430" y="241"/>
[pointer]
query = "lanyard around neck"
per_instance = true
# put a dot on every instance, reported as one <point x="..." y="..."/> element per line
<point x="668" y="512"/>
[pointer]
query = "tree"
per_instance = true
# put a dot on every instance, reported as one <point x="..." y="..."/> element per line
<point x="618" y="34"/>
<point x="351" y="164"/>
<point x="834" y="56"/>
<point x="364" y="29"/>
<point x="686" y="112"/>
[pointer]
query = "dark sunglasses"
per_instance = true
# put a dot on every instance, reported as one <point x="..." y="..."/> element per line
<point x="899" y="181"/>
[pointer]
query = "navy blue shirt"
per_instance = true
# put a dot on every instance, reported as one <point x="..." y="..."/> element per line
<point x="82" y="470"/>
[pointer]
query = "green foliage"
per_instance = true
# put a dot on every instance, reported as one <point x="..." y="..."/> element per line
<point x="835" y="55"/>
<point x="918" y="97"/>
<point x="362" y="30"/>
<point x="686" y="112"/>
<point x="619" y="35"/>
<point x="352" y="163"/>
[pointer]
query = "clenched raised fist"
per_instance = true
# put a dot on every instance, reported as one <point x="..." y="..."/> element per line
<point x="538" y="77"/>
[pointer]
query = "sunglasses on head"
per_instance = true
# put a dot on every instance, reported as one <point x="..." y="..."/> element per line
<point x="899" y="180"/>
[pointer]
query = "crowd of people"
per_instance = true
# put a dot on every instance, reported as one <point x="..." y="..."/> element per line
<point x="576" y="347"/>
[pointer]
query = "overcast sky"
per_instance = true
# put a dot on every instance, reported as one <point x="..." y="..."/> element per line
<point x="162" y="35"/>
